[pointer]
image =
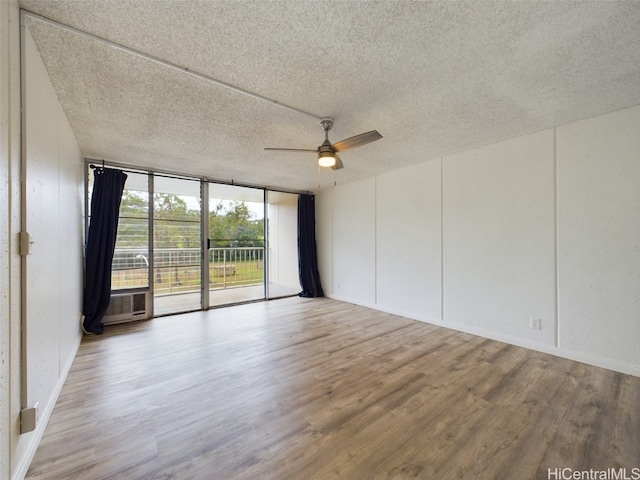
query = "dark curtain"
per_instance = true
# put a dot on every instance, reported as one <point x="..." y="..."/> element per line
<point x="307" y="256"/>
<point x="101" y="242"/>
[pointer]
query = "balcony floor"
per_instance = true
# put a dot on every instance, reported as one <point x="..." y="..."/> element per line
<point x="184" y="302"/>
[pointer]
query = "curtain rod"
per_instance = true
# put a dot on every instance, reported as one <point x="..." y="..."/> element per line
<point x="166" y="63"/>
<point x="95" y="164"/>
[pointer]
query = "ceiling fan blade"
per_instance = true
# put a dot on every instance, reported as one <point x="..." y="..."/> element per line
<point x="338" y="164"/>
<point x="357" y="141"/>
<point x="293" y="149"/>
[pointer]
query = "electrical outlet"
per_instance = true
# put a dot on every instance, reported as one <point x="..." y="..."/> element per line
<point x="535" y="323"/>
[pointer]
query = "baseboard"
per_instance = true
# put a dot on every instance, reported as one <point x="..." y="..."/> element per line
<point x="43" y="418"/>
<point x="582" y="357"/>
<point x="372" y="306"/>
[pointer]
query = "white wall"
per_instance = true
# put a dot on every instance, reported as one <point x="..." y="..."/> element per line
<point x="324" y="238"/>
<point x="543" y="226"/>
<point x="599" y="236"/>
<point x="499" y="235"/>
<point x="52" y="202"/>
<point x="354" y="249"/>
<point x="408" y="241"/>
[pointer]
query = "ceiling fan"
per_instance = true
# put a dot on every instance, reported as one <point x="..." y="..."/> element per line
<point x="327" y="152"/>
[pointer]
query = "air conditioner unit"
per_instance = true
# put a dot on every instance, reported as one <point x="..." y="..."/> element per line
<point x="128" y="306"/>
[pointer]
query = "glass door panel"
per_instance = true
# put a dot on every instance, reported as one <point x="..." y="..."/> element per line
<point x="131" y="256"/>
<point x="283" y="244"/>
<point x="130" y="267"/>
<point x="236" y="244"/>
<point x="177" y="249"/>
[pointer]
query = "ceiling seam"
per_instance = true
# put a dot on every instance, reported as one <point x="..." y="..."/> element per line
<point x="167" y="64"/>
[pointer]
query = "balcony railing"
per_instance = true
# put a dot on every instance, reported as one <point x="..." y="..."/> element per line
<point x="177" y="270"/>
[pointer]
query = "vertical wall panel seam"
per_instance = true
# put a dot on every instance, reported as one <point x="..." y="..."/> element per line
<point x="58" y="288"/>
<point x="556" y="237"/>
<point x="442" y="239"/>
<point x="375" y="240"/>
<point x="333" y="237"/>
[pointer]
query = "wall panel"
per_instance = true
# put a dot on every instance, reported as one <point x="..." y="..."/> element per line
<point x="499" y="237"/>
<point x="324" y="238"/>
<point x="545" y="226"/>
<point x="408" y="241"/>
<point x="43" y="224"/>
<point x="599" y="236"/>
<point x="54" y="212"/>
<point x="71" y="234"/>
<point x="354" y="250"/>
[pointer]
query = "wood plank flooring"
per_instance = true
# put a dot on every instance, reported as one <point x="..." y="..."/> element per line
<point x="319" y="389"/>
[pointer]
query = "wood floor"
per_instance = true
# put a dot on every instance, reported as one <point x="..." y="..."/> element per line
<point x="318" y="389"/>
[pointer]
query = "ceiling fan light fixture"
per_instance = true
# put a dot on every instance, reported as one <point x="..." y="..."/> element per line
<point x="326" y="159"/>
<point x="328" y="152"/>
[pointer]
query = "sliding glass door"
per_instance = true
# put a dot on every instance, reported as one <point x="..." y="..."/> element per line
<point x="177" y="241"/>
<point x="282" y="234"/>
<point x="187" y="244"/>
<point x="236" y="244"/>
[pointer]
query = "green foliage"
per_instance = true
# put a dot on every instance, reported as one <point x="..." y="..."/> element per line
<point x="171" y="207"/>
<point x="134" y="204"/>
<point x="133" y="226"/>
<point x="231" y="224"/>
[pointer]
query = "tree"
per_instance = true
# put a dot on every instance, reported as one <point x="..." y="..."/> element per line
<point x="176" y="226"/>
<point x="171" y="207"/>
<point x="133" y="226"/>
<point x="233" y="225"/>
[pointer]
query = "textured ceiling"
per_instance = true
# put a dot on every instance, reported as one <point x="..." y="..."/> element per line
<point x="434" y="78"/>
